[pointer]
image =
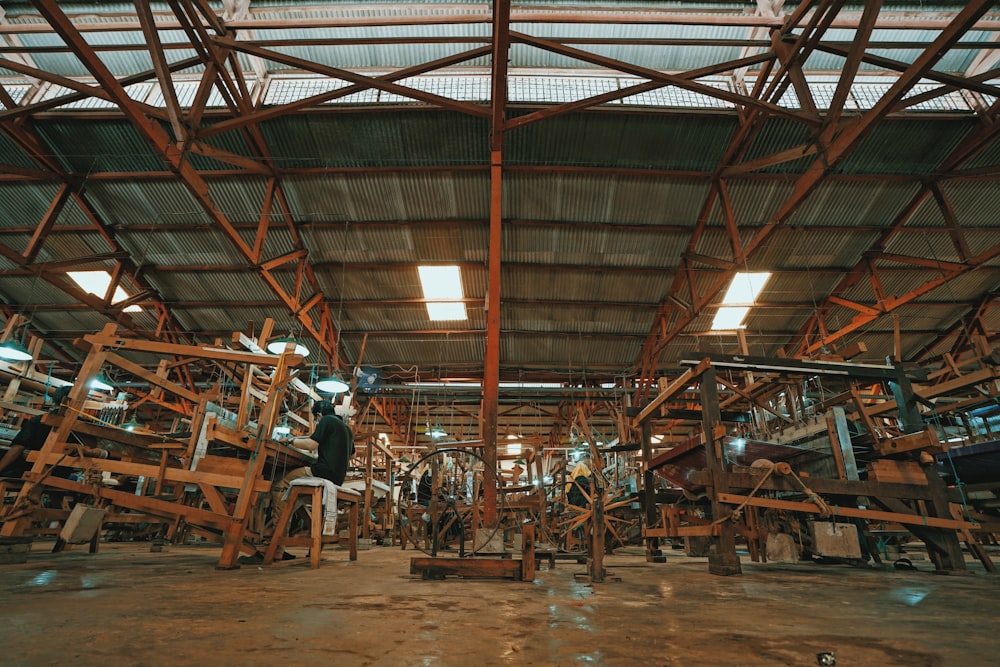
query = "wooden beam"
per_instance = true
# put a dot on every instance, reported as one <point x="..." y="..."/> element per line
<point x="852" y="512"/>
<point x="673" y="389"/>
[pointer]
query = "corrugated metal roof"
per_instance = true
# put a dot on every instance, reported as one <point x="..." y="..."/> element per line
<point x="585" y="319"/>
<point x="32" y="290"/>
<point x="973" y="204"/>
<point x="98" y="146"/>
<point x="415" y="351"/>
<point x="801" y="248"/>
<point x="219" y="286"/>
<point x="679" y="142"/>
<point x="795" y="287"/>
<point x="899" y="147"/>
<point x="198" y="247"/>
<point x="239" y="199"/>
<point x="935" y="246"/>
<point x="144" y="202"/>
<point x="586" y="286"/>
<point x="377" y="139"/>
<point x="569" y="245"/>
<point x="25" y="203"/>
<point x="72" y="320"/>
<point x="581" y="280"/>
<point x="545" y="196"/>
<point x="356" y="198"/>
<point x="221" y="320"/>
<point x="850" y="202"/>
<point x="80" y="246"/>
<point x="567" y="353"/>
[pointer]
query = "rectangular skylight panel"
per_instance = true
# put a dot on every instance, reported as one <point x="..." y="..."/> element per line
<point x="446" y="311"/>
<point x="741" y="295"/>
<point x="729" y="317"/>
<point x="745" y="289"/>
<point x="440" y="285"/>
<point x="441" y="282"/>
<point x="97" y="282"/>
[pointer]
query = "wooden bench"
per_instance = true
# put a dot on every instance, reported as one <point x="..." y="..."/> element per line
<point x="315" y="539"/>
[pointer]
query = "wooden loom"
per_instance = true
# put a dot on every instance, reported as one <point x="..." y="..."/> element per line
<point x="207" y="475"/>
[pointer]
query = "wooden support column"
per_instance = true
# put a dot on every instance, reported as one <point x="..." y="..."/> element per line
<point x="491" y="369"/>
<point x="648" y="492"/>
<point x="948" y="548"/>
<point x="248" y="494"/>
<point x="595" y="564"/>
<point x="366" y="523"/>
<point x="491" y="365"/>
<point x="55" y="442"/>
<point x="840" y="444"/>
<point x="722" y="558"/>
<point x="906" y="403"/>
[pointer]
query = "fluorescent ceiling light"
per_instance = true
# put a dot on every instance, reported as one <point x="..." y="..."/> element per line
<point x="741" y="295"/>
<point x="97" y="283"/>
<point x="442" y="287"/>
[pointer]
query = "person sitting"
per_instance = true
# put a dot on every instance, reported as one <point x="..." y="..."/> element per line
<point x="333" y="443"/>
<point x="31" y="437"/>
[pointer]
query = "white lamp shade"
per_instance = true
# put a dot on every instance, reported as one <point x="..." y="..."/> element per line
<point x="100" y="384"/>
<point x="332" y="385"/>
<point x="279" y="345"/>
<point x="14" y="351"/>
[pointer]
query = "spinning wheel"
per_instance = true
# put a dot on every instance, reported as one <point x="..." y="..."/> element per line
<point x="572" y="511"/>
<point x="440" y="503"/>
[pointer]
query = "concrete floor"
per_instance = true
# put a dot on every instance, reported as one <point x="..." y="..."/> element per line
<point x="127" y="606"/>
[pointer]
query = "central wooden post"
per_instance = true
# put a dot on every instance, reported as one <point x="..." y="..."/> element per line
<point x="722" y="558"/>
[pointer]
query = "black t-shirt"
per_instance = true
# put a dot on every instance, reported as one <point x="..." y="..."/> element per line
<point x="336" y="445"/>
<point x="31" y="436"/>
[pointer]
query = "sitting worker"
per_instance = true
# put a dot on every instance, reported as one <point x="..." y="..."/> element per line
<point x="425" y="487"/>
<point x="578" y="486"/>
<point x="31" y="437"/>
<point x="333" y="443"/>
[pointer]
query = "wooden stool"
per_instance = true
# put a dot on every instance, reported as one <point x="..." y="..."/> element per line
<point x="316" y="539"/>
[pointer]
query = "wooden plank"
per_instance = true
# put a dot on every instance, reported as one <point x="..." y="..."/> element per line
<point x="820" y="485"/>
<point x="438" y="568"/>
<point x="214" y="499"/>
<point x="152" y="378"/>
<point x="148" y="470"/>
<point x="898" y="472"/>
<point x="161" y="508"/>
<point x="942" y="389"/>
<point x="672" y="390"/>
<point x="113" y="433"/>
<point x="854" y="512"/>
<point x="926" y="439"/>
<point x="218" y="354"/>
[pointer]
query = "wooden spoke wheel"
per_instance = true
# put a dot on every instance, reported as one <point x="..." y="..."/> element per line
<point x="441" y="504"/>
<point x="572" y="513"/>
